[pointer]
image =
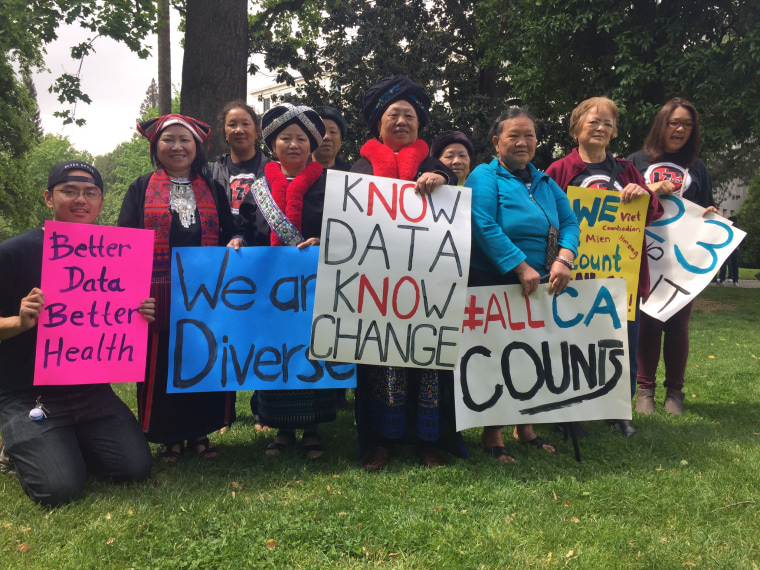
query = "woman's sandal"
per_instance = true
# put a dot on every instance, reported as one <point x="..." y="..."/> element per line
<point x="540" y="443"/>
<point x="258" y="426"/>
<point x="277" y="447"/>
<point x="314" y="449"/>
<point x="203" y="447"/>
<point x="171" y="452"/>
<point x="497" y="452"/>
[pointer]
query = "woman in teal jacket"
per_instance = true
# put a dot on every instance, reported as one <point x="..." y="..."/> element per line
<point x="514" y="206"/>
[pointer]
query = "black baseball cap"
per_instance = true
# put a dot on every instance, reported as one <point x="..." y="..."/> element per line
<point x="60" y="173"/>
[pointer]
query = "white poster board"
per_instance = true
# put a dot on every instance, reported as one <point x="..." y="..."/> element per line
<point x="392" y="273"/>
<point x="546" y="358"/>
<point x="685" y="251"/>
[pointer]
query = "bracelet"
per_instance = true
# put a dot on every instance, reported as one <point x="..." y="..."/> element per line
<point x="566" y="262"/>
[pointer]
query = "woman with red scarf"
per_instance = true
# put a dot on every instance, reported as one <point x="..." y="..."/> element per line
<point x="387" y="396"/>
<point x="284" y="207"/>
<point x="185" y="207"/>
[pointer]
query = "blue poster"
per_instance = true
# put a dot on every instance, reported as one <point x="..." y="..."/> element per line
<point x="241" y="320"/>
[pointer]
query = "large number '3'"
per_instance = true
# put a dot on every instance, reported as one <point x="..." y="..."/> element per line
<point x="710" y="247"/>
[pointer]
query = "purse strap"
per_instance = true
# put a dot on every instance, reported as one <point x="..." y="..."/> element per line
<point x="617" y="169"/>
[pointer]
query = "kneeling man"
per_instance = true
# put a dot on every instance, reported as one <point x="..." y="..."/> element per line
<point x="55" y="434"/>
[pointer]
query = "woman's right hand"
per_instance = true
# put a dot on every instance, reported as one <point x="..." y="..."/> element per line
<point x="662" y="188"/>
<point x="236" y="243"/>
<point x="529" y="278"/>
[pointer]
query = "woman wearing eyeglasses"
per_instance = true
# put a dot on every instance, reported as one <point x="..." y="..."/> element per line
<point x="593" y="124"/>
<point x="670" y="166"/>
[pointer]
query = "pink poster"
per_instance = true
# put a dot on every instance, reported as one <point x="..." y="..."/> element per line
<point x="94" y="279"/>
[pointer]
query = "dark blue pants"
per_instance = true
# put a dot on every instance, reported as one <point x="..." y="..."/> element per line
<point x="88" y="428"/>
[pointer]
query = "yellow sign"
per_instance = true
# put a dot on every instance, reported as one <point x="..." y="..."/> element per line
<point x="612" y="237"/>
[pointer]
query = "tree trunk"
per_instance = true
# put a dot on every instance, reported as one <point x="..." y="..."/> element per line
<point x="215" y="62"/>
<point x="164" y="60"/>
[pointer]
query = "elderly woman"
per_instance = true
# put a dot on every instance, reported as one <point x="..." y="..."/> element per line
<point x="335" y="132"/>
<point x="285" y="208"/>
<point x="515" y="208"/>
<point x="395" y="109"/>
<point x="455" y="150"/>
<point x="593" y="124"/>
<point x="184" y="207"/>
<point x="670" y="165"/>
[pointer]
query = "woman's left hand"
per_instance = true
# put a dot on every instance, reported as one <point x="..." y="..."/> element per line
<point x="236" y="242"/>
<point x="427" y="182"/>
<point x="308" y="242"/>
<point x="632" y="191"/>
<point x="148" y="309"/>
<point x="559" y="277"/>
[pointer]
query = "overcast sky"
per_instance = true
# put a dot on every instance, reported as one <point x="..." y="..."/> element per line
<point x="115" y="79"/>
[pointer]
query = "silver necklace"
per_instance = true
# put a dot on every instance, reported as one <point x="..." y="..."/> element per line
<point x="182" y="201"/>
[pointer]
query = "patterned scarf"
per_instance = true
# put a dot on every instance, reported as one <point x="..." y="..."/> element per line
<point x="158" y="217"/>
<point x="402" y="166"/>
<point x="289" y="195"/>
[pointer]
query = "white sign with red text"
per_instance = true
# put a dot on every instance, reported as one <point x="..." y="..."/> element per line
<point x="392" y="273"/>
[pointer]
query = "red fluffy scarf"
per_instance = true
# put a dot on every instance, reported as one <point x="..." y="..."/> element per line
<point x="402" y="166"/>
<point x="289" y="195"/>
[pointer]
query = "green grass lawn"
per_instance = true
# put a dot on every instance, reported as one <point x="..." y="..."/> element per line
<point x="682" y="493"/>
<point x="747" y="273"/>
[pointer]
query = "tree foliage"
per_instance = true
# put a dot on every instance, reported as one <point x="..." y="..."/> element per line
<point x="548" y="54"/>
<point x="29" y="175"/>
<point x="748" y="219"/>
<point x="151" y="98"/>
<point x="25" y="29"/>
<point x="640" y="54"/>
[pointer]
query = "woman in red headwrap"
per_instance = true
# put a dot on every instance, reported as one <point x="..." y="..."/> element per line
<point x="185" y="207"/>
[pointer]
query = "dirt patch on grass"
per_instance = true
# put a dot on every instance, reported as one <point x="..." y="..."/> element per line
<point x="712" y="307"/>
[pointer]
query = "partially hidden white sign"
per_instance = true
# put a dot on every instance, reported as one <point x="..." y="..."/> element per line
<point x="544" y="358"/>
<point x="685" y="250"/>
<point x="392" y="273"/>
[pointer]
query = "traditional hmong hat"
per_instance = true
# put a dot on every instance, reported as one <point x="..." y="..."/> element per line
<point x="286" y="114"/>
<point x="333" y="114"/>
<point x="450" y="137"/>
<point x="60" y="173"/>
<point x="380" y="96"/>
<point x="151" y="128"/>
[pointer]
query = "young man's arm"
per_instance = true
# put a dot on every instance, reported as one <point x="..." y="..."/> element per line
<point x="28" y="315"/>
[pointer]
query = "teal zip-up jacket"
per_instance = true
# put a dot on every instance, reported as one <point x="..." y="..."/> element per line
<point x="508" y="227"/>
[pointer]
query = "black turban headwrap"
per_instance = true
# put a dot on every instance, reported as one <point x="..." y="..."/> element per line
<point x="450" y="137"/>
<point x="388" y="90"/>
<point x="333" y="114"/>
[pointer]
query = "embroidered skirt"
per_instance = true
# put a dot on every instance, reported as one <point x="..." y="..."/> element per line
<point x="170" y="418"/>
<point x="296" y="409"/>
<point x="406" y="404"/>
